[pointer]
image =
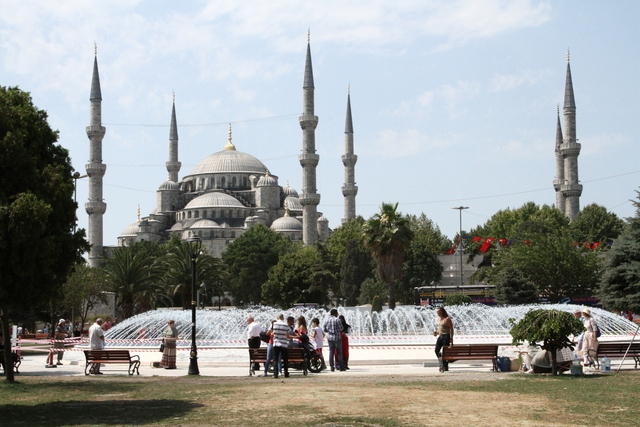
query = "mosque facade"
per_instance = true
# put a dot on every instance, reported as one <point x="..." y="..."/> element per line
<point x="226" y="193"/>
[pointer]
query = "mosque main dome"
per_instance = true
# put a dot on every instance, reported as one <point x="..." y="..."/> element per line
<point x="230" y="161"/>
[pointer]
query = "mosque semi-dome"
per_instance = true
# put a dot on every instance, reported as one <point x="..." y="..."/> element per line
<point x="230" y="161"/>
<point x="286" y="223"/>
<point x="292" y="203"/>
<point x="267" y="180"/>
<point x="214" y="199"/>
<point x="131" y="230"/>
<point x="204" y="223"/>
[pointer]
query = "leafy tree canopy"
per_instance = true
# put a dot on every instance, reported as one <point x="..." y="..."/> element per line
<point x="595" y="223"/>
<point x="552" y="328"/>
<point x="83" y="290"/>
<point x="512" y="287"/>
<point x="298" y="277"/>
<point x="457" y="299"/>
<point x="249" y="259"/>
<point x="620" y="287"/>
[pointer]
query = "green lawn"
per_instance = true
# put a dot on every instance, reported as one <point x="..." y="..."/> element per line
<point x="446" y="400"/>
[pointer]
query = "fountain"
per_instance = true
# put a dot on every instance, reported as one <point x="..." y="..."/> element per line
<point x="405" y="324"/>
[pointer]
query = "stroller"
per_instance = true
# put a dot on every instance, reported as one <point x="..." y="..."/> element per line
<point x="312" y="360"/>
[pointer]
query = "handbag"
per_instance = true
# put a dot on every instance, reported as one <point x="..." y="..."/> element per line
<point x="162" y="346"/>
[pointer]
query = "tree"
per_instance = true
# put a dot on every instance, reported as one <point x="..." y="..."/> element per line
<point x="176" y="267"/>
<point x="38" y="246"/>
<point x="299" y="277"/>
<point x="388" y="235"/>
<point x="248" y="260"/>
<point x="421" y="265"/>
<point x="354" y="260"/>
<point x="83" y="290"/>
<point x="620" y="287"/>
<point x="595" y="224"/>
<point x="551" y="327"/>
<point x="373" y="292"/>
<point x="134" y="274"/>
<point x="552" y="264"/>
<point x="512" y="287"/>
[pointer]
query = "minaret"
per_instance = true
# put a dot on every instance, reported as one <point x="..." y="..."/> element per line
<point x="309" y="199"/>
<point x="570" y="149"/>
<point x="173" y="165"/>
<point x="95" y="206"/>
<point x="349" y="189"/>
<point x="559" y="179"/>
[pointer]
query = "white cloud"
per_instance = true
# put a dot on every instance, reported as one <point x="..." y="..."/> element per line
<point x="450" y="95"/>
<point x="506" y="82"/>
<point x="597" y="143"/>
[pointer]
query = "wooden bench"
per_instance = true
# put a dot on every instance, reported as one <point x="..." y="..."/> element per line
<point x="95" y="357"/>
<point x="471" y="352"/>
<point x="617" y="350"/>
<point x="16" y="359"/>
<point x="296" y="359"/>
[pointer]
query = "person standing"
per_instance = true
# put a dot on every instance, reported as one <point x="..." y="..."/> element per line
<point x="317" y="334"/>
<point x="281" y="338"/>
<point x="169" y="339"/>
<point x="589" y="345"/>
<point x="96" y="341"/>
<point x="444" y="332"/>
<point x="59" y="335"/>
<point x="269" y="358"/>
<point x="346" y="329"/>
<point x="253" y="337"/>
<point x="333" y="329"/>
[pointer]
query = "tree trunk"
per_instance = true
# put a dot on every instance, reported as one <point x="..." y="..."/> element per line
<point x="8" y="359"/>
<point x="554" y="362"/>
<point x="392" y="295"/>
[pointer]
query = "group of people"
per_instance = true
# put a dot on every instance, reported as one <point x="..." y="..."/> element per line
<point x="64" y="330"/>
<point x="284" y="334"/>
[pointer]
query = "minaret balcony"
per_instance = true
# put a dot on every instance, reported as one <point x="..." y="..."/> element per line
<point x="309" y="199"/>
<point x="95" y="207"/>
<point x="570" y="148"/>
<point x="173" y="166"/>
<point x="308" y="121"/>
<point x="95" y="169"/>
<point x="309" y="159"/>
<point x="349" y="160"/>
<point x="349" y="190"/>
<point x="96" y="131"/>
<point x="571" y="190"/>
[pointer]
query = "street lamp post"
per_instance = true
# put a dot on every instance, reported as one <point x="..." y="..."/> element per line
<point x="76" y="176"/>
<point x="194" y="245"/>
<point x="460" y="247"/>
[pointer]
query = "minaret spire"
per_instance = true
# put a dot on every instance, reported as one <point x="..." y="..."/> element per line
<point x="570" y="149"/>
<point x="559" y="179"/>
<point x="349" y="189"/>
<point x="309" y="198"/>
<point x="95" y="206"/>
<point x="173" y="165"/>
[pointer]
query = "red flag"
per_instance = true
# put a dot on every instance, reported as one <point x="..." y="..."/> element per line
<point x="595" y="245"/>
<point x="503" y="242"/>
<point x="526" y="242"/>
<point x="476" y="239"/>
<point x="487" y="244"/>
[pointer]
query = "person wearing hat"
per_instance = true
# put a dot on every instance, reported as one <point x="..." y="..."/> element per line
<point x="589" y="344"/>
<point x="59" y="335"/>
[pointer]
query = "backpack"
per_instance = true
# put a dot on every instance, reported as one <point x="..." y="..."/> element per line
<point x="597" y="330"/>
<point x="265" y="336"/>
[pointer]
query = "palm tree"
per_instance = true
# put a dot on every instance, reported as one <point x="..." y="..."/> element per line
<point x="176" y="267"/>
<point x="388" y="235"/>
<point x="133" y="274"/>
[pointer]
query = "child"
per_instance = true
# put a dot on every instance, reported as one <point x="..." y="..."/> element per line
<point x="317" y="335"/>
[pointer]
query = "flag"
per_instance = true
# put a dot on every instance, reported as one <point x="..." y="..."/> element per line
<point x="503" y="242"/>
<point x="476" y="239"/>
<point x="487" y="244"/>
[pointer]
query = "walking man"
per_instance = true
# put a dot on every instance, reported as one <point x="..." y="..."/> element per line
<point x="281" y="338"/>
<point x="253" y="337"/>
<point x="96" y="340"/>
<point x="333" y="329"/>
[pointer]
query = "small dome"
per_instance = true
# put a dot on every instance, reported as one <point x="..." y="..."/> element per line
<point x="204" y="223"/>
<point x="214" y="199"/>
<point x="130" y="230"/>
<point x="169" y="185"/>
<point x="267" y="180"/>
<point x="286" y="223"/>
<point x="323" y="218"/>
<point x="293" y="204"/>
<point x="289" y="191"/>
<point x="176" y="227"/>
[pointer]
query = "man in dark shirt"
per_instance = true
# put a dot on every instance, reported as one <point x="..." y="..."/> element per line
<point x="333" y="328"/>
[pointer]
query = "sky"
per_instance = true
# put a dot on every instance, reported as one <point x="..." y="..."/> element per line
<point x="454" y="102"/>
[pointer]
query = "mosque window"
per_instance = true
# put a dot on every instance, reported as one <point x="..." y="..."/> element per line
<point x="223" y="181"/>
<point x="189" y="214"/>
<point x="196" y="214"/>
<point x="233" y="182"/>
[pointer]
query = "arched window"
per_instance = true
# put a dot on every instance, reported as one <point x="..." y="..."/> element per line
<point x="233" y="182"/>
<point x="222" y="181"/>
<point x="189" y="214"/>
<point x="196" y="214"/>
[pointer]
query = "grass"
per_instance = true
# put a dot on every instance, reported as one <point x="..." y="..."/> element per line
<point x="359" y="401"/>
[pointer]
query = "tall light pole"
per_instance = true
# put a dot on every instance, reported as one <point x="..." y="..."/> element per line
<point x="194" y="244"/>
<point x="76" y="176"/>
<point x="460" y="248"/>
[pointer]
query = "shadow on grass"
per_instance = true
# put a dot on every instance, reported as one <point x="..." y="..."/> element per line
<point x="74" y="412"/>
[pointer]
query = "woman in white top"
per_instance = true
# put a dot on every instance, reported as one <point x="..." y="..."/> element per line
<point x="317" y="335"/>
<point x="589" y="345"/>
